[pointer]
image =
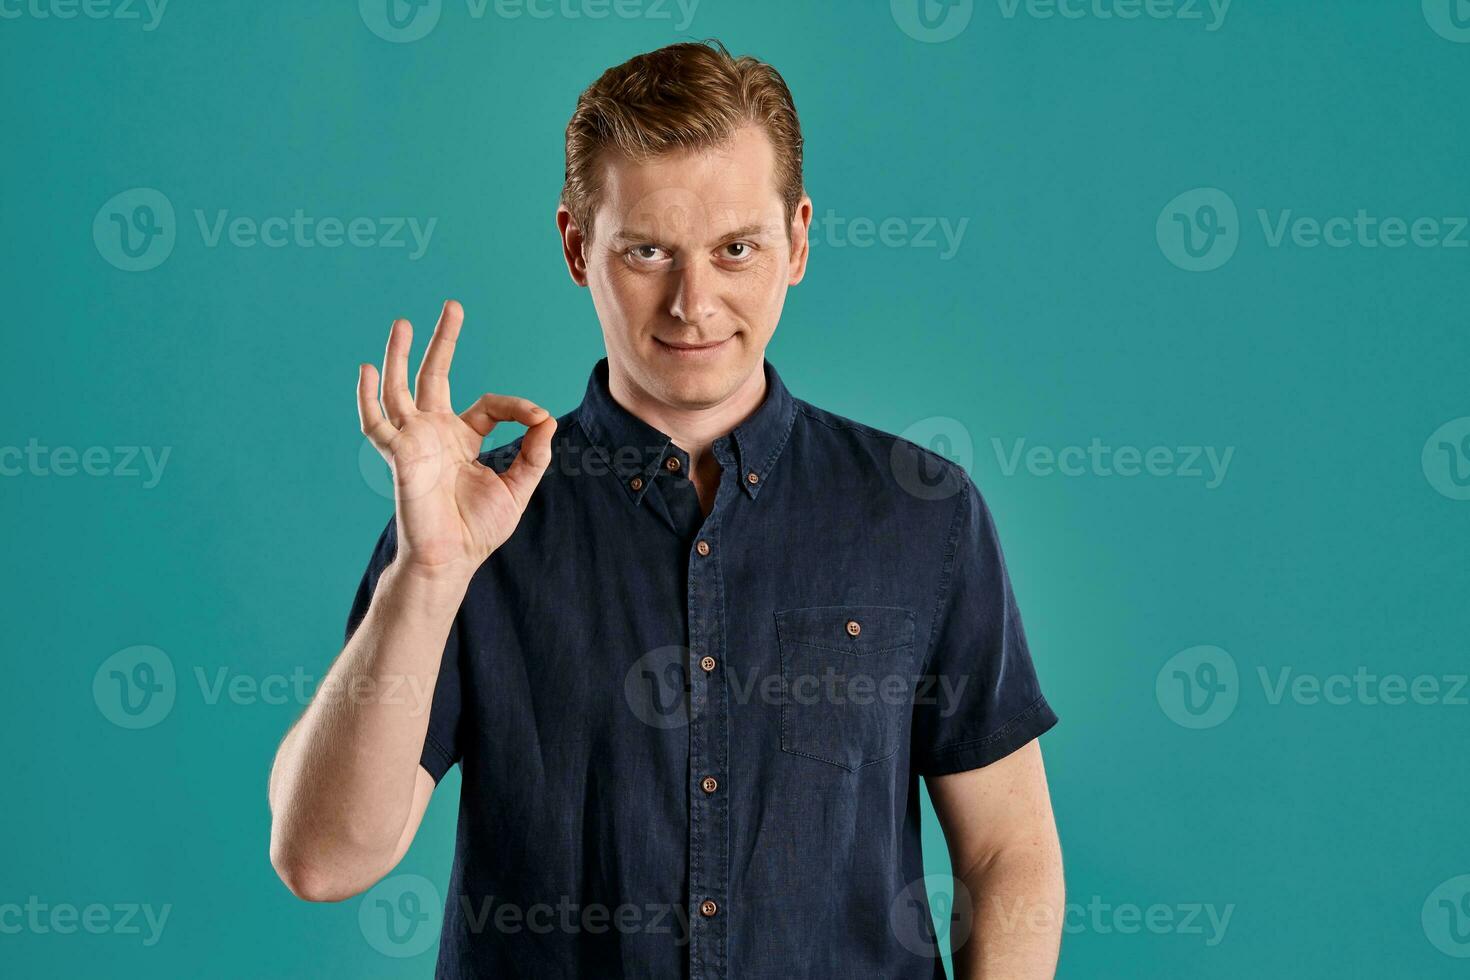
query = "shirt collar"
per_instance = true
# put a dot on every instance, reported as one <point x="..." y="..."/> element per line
<point x="636" y="451"/>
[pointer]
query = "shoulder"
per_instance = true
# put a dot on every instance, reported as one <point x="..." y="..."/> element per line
<point x="913" y="470"/>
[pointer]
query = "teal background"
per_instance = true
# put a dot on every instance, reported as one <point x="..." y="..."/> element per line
<point x="1326" y="548"/>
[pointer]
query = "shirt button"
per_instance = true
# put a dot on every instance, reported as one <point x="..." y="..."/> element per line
<point x="636" y="483"/>
<point x="702" y="547"/>
<point x="708" y="908"/>
<point x="708" y="784"/>
<point x="752" y="478"/>
<point x="672" y="464"/>
<point x="707" y="664"/>
<point x="854" y="627"/>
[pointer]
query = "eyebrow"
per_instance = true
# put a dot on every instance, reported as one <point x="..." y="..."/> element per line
<point x="756" y="230"/>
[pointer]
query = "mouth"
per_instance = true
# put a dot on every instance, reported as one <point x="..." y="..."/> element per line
<point x="682" y="349"/>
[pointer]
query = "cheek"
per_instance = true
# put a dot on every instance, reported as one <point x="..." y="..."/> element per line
<point x="759" y="289"/>
<point x="616" y="287"/>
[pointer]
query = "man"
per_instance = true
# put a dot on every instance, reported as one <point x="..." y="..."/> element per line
<point x="693" y="643"/>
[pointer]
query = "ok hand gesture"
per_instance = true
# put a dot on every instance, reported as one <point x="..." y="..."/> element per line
<point x="452" y="511"/>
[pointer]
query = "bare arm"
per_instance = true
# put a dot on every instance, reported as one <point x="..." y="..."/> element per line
<point x="346" y="790"/>
<point x="1004" y="849"/>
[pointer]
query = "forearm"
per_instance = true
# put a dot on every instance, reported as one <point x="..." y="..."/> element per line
<point x="343" y="781"/>
<point x="1018" y="904"/>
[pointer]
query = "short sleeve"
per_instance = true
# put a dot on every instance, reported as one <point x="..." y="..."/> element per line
<point x="441" y="742"/>
<point x="978" y="700"/>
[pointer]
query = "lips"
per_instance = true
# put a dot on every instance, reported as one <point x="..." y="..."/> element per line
<point x="683" y="345"/>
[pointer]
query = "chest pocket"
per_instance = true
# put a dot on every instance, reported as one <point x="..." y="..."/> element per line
<point x="846" y="681"/>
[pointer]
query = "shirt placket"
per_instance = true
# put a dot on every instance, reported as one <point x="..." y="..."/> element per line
<point x="709" y="739"/>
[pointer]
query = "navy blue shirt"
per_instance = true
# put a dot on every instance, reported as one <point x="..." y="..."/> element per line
<point x="690" y="745"/>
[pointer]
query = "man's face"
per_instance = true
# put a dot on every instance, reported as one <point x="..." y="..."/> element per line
<point x="688" y="264"/>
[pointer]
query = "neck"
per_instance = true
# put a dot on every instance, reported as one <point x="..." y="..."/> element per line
<point x="691" y="429"/>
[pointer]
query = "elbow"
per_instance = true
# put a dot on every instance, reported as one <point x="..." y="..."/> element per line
<point x="311" y="879"/>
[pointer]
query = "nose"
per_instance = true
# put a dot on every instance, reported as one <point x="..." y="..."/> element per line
<point x="694" y="299"/>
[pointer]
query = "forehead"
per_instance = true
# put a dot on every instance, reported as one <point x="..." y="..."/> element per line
<point x="692" y="193"/>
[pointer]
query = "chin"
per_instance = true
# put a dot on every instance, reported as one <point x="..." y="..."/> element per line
<point x="695" y="386"/>
<point x="692" y="385"/>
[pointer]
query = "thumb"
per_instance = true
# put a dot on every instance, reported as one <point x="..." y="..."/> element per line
<point x="525" y="472"/>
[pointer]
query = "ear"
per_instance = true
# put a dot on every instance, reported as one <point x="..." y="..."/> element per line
<point x="573" y="245"/>
<point x="800" y="232"/>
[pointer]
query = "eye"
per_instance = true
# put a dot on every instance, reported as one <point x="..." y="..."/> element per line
<point x="739" y="251"/>
<point x="645" y="254"/>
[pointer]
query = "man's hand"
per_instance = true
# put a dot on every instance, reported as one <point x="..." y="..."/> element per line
<point x="452" y="511"/>
<point x="347" y="790"/>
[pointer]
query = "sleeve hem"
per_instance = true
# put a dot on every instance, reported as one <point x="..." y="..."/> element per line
<point x="435" y="760"/>
<point x="1035" y="720"/>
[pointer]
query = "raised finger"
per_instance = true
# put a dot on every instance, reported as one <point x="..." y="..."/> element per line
<point x="374" y="423"/>
<point x="431" y="386"/>
<point x="396" y="398"/>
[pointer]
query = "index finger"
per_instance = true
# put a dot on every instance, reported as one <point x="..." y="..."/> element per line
<point x="431" y="386"/>
<point x="491" y="408"/>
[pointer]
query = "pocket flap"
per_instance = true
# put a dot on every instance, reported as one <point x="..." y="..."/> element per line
<point x="858" y="630"/>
